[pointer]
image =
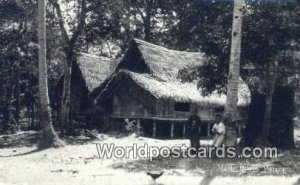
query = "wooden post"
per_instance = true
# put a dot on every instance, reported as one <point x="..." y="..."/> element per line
<point x="172" y="130"/>
<point x="240" y="129"/>
<point x="138" y="128"/>
<point x="184" y="130"/>
<point x="154" y="129"/>
<point x="208" y="129"/>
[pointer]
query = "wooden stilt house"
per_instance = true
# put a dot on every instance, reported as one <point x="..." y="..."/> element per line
<point x="146" y="87"/>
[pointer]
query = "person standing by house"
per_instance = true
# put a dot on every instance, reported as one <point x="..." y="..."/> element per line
<point x="219" y="130"/>
<point x="133" y="126"/>
<point x="130" y="126"/>
<point x="194" y="129"/>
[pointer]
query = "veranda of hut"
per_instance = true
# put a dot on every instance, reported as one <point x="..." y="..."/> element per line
<point x="146" y="87"/>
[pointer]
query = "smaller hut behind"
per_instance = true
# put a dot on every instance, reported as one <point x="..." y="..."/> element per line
<point x="88" y="73"/>
<point x="146" y="87"/>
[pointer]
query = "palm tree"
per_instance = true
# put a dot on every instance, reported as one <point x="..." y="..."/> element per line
<point x="49" y="137"/>
<point x="234" y="74"/>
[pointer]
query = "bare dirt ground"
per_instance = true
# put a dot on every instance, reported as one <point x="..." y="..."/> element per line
<point x="79" y="163"/>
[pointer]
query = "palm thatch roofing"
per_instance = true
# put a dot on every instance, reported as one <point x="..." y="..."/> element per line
<point x="155" y="69"/>
<point x="95" y="69"/>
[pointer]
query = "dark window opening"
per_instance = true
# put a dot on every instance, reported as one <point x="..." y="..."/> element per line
<point x="219" y="109"/>
<point x="183" y="107"/>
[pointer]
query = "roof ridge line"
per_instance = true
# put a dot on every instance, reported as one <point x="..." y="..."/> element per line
<point x="94" y="55"/>
<point x="165" y="48"/>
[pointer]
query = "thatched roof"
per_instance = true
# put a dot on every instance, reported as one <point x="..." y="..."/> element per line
<point x="95" y="69"/>
<point x="159" y="75"/>
<point x="159" y="61"/>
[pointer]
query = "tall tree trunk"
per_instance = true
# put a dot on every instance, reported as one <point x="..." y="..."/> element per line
<point x="17" y="95"/>
<point x="7" y="113"/>
<point x="66" y="95"/>
<point x="32" y="115"/>
<point x="234" y="74"/>
<point x="147" y="20"/>
<point x="297" y="103"/>
<point x="147" y="28"/>
<point x="281" y="132"/>
<point x="271" y="82"/>
<point x="49" y="137"/>
<point x="69" y="50"/>
<point x="6" y="116"/>
<point x="255" y="117"/>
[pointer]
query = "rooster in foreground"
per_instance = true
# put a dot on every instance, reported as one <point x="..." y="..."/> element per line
<point x="154" y="174"/>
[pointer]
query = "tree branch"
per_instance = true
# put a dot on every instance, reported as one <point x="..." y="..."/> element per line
<point x="81" y="23"/>
<point x="60" y="21"/>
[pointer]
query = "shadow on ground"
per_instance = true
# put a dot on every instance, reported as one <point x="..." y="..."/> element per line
<point x="209" y="169"/>
<point x="22" y="139"/>
<point x="30" y="139"/>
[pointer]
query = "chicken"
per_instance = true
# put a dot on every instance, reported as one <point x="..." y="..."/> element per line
<point x="154" y="174"/>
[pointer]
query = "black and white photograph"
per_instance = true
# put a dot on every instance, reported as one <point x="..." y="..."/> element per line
<point x="149" y="92"/>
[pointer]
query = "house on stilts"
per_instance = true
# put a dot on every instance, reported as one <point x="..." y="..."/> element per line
<point x="146" y="87"/>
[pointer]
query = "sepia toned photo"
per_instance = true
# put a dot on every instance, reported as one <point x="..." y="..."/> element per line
<point x="149" y="92"/>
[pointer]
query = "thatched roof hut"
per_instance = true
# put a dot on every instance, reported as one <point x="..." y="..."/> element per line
<point x="146" y="86"/>
<point x="88" y="73"/>
<point x="155" y="69"/>
<point x="95" y="69"/>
